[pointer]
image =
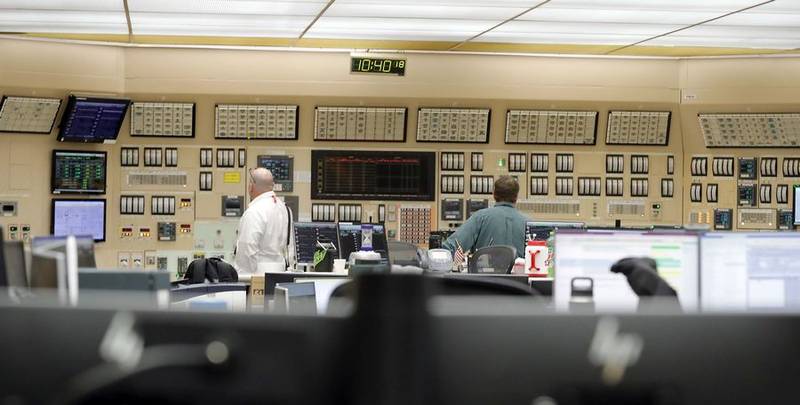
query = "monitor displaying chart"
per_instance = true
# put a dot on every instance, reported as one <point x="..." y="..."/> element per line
<point x="79" y="217"/>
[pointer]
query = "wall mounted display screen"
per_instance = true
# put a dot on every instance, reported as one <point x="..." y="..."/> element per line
<point x="167" y="120"/>
<point x="373" y="175"/>
<point x="78" y="172"/>
<point x="28" y="114"/>
<point x="796" y="204"/>
<point x="92" y="119"/>
<point x="79" y="217"/>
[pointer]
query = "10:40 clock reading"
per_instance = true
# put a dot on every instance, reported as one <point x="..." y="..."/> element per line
<point x="378" y="65"/>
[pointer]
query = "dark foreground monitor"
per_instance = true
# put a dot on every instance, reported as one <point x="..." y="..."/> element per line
<point x="397" y="350"/>
<point x="3" y="275"/>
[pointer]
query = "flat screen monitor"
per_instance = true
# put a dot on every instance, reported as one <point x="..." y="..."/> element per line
<point x="797" y="204"/>
<point x="306" y="235"/>
<point x="49" y="270"/>
<point x="742" y="271"/>
<point x="372" y="175"/>
<point x="84" y="245"/>
<point x="16" y="269"/>
<point x="78" y="172"/>
<point x="591" y="254"/>
<point x="295" y="298"/>
<point x="79" y="217"/>
<point x="350" y="239"/>
<point x="323" y="290"/>
<point x="95" y="120"/>
<point x="3" y="275"/>
<point x="544" y="230"/>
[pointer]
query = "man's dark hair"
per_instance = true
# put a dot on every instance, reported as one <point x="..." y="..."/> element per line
<point x="506" y="189"/>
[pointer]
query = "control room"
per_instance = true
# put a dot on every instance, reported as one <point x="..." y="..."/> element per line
<point x="538" y="202"/>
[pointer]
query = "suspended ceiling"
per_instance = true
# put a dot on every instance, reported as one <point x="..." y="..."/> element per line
<point x="595" y="27"/>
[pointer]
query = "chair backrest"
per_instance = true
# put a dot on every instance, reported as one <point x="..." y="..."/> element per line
<point x="493" y="259"/>
<point x="404" y="253"/>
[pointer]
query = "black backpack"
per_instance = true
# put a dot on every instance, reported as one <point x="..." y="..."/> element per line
<point x="212" y="269"/>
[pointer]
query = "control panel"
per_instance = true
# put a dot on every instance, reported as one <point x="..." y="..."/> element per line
<point x="282" y="168"/>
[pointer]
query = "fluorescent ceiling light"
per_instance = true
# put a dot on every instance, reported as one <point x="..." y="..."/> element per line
<point x="573" y="33"/>
<point x="398" y="28"/>
<point x="56" y="5"/>
<point x="430" y="10"/>
<point x="277" y="8"/>
<point x="218" y="25"/>
<point x="80" y="22"/>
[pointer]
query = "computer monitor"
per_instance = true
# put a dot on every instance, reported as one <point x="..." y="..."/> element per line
<point x="306" y="235"/>
<point x="56" y="266"/>
<point x="88" y="119"/>
<point x="16" y="269"/>
<point x="3" y="275"/>
<point x="79" y="217"/>
<point x="295" y="298"/>
<point x="350" y="239"/>
<point x="49" y="271"/>
<point x="543" y="230"/>
<point x="323" y="289"/>
<point x="743" y="271"/>
<point x="592" y="253"/>
<point x="85" y="246"/>
<point x="79" y="172"/>
<point x="797" y="204"/>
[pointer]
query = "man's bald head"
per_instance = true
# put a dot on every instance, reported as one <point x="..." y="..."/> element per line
<point x="261" y="181"/>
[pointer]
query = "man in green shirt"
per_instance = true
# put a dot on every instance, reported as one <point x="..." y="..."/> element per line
<point x="499" y="225"/>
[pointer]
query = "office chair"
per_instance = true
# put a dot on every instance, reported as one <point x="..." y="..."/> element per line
<point x="493" y="259"/>
<point x="406" y="254"/>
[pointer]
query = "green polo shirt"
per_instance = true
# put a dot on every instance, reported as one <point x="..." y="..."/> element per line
<point x="499" y="225"/>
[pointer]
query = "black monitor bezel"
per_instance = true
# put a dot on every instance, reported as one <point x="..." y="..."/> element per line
<point x="54" y="201"/>
<point x="73" y="99"/>
<point x="313" y="224"/>
<point x="77" y="192"/>
<point x="429" y="192"/>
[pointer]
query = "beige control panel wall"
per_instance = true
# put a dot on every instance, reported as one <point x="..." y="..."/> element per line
<point x="597" y="184"/>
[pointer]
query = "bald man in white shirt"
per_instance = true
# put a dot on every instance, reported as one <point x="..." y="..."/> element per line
<point x="265" y="239"/>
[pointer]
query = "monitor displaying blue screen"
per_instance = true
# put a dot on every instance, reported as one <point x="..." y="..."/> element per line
<point x="79" y="217"/>
<point x="92" y="119"/>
